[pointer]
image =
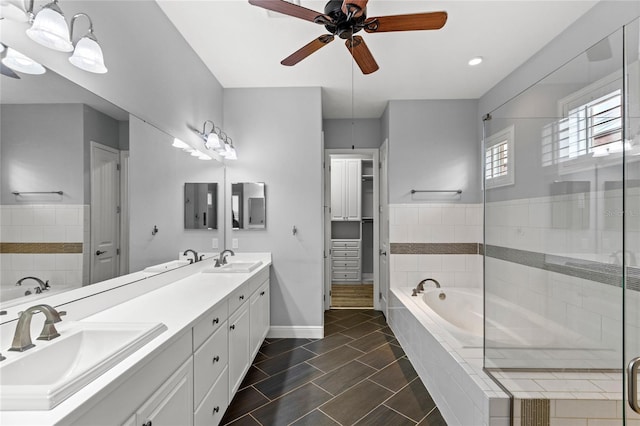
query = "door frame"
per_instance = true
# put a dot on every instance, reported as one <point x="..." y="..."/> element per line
<point x="366" y="153"/>
<point x="384" y="204"/>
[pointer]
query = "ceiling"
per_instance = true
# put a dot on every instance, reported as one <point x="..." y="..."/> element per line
<point x="243" y="45"/>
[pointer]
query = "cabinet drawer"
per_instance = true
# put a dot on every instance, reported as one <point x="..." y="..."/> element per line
<point x="209" y="361"/>
<point x="215" y="403"/>
<point x="238" y="297"/>
<point x="345" y="244"/>
<point x="345" y="275"/>
<point x="338" y="254"/>
<point x="210" y="323"/>
<point x="346" y="263"/>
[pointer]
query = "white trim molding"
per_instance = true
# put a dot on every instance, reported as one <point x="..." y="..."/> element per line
<point x="295" y="332"/>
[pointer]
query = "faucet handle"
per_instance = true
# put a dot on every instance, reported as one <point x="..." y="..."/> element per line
<point x="49" y="331"/>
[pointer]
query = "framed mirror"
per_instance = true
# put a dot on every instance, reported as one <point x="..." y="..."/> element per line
<point x="248" y="205"/>
<point x="200" y="206"/>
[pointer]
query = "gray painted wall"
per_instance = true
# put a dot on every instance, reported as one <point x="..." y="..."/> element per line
<point x="153" y="72"/>
<point x="347" y="133"/>
<point x="41" y="149"/>
<point x="433" y="144"/>
<point x="158" y="173"/>
<point x="288" y="159"/>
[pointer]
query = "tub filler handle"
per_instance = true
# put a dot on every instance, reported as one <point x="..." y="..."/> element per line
<point x="632" y="371"/>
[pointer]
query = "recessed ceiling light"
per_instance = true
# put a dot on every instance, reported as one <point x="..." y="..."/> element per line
<point x="475" y="61"/>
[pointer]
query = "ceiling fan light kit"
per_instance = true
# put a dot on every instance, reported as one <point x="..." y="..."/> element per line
<point x="344" y="18"/>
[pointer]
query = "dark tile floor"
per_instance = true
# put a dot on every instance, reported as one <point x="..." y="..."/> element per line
<point x="358" y="374"/>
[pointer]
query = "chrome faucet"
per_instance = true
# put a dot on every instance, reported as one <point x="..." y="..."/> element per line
<point x="222" y="259"/>
<point x="420" y="286"/>
<point x="42" y="286"/>
<point x="22" y="337"/>
<point x="195" y="255"/>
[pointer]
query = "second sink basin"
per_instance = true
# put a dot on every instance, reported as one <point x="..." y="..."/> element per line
<point x="48" y="374"/>
<point x="240" y="266"/>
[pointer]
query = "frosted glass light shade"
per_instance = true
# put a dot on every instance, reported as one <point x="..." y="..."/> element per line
<point x="230" y="153"/>
<point x="88" y="56"/>
<point x="21" y="63"/>
<point x="12" y="12"/>
<point x="179" y="144"/>
<point x="213" y="141"/>
<point x="50" y="29"/>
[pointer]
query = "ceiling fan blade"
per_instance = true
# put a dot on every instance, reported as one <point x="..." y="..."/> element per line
<point x="307" y="50"/>
<point x="354" y="7"/>
<point x="286" y="8"/>
<point x="362" y="55"/>
<point x="410" y="22"/>
<point x="5" y="70"/>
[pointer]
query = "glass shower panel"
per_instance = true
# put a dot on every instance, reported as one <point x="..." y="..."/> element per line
<point x="553" y="219"/>
<point x="632" y="219"/>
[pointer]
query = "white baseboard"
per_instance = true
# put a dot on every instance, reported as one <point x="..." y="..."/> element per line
<point x="292" y="332"/>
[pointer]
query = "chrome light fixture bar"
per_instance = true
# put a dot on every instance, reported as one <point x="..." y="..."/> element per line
<point x="87" y="55"/>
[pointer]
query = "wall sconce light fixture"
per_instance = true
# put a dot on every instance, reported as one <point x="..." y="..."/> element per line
<point x="16" y="61"/>
<point x="218" y="141"/>
<point x="49" y="28"/>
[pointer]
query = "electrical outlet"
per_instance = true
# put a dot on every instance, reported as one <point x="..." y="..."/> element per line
<point x="234" y="243"/>
<point x="214" y="243"/>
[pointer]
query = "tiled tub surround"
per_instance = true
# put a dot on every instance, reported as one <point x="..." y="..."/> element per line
<point x="435" y="241"/>
<point x="44" y="240"/>
<point x="450" y="368"/>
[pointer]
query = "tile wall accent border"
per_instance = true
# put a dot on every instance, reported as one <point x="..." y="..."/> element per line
<point x="41" y="248"/>
<point x="435" y="248"/>
<point x="535" y="412"/>
<point x="604" y="273"/>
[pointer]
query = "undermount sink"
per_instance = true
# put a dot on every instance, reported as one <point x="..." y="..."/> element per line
<point x="167" y="266"/>
<point x="46" y="375"/>
<point x="239" y="266"/>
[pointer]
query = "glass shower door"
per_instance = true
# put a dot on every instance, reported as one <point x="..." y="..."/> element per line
<point x="632" y="223"/>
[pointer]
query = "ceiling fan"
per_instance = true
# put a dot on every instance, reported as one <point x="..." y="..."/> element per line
<point x="344" y="18"/>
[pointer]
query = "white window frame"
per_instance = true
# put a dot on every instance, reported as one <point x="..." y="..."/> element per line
<point x="505" y="135"/>
<point x="582" y="97"/>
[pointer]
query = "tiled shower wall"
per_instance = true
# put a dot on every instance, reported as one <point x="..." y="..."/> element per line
<point x="438" y="241"/>
<point x="46" y="241"/>
<point x="559" y="257"/>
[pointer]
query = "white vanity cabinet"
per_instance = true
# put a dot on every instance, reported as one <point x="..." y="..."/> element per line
<point x="260" y="317"/>
<point x="239" y="351"/>
<point x="346" y="188"/>
<point x="172" y="404"/>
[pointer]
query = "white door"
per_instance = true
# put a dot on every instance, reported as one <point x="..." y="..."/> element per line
<point x="105" y="217"/>
<point x="383" y="223"/>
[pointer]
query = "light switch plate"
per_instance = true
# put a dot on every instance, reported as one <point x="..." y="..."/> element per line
<point x="214" y="243"/>
<point x="234" y="243"/>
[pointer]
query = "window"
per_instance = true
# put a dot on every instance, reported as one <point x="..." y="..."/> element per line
<point x="594" y="128"/>
<point x="499" y="161"/>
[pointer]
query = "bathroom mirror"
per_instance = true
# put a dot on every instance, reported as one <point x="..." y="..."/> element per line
<point x="48" y="124"/>
<point x="248" y="205"/>
<point x="200" y="205"/>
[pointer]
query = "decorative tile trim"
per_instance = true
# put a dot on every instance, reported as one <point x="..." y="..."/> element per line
<point x="40" y="248"/>
<point x="535" y="412"/>
<point x="604" y="273"/>
<point x="435" y="248"/>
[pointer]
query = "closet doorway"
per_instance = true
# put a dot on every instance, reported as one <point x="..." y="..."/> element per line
<point x="351" y="229"/>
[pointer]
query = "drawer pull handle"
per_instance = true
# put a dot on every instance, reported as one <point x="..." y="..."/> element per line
<point x="216" y="321"/>
<point x="241" y="297"/>
<point x="148" y="423"/>
<point x="216" y="359"/>
<point x="262" y="293"/>
<point x="232" y="327"/>
<point x="215" y="410"/>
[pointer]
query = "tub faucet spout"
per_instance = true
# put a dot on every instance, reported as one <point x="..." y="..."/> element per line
<point x="420" y="286"/>
<point x="42" y="286"/>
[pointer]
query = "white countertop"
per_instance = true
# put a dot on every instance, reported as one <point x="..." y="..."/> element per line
<point x="177" y="305"/>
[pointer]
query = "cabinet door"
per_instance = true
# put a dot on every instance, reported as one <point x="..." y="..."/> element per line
<point x="353" y="189"/>
<point x="260" y="320"/>
<point x="172" y="404"/>
<point x="338" y="189"/>
<point x="239" y="350"/>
